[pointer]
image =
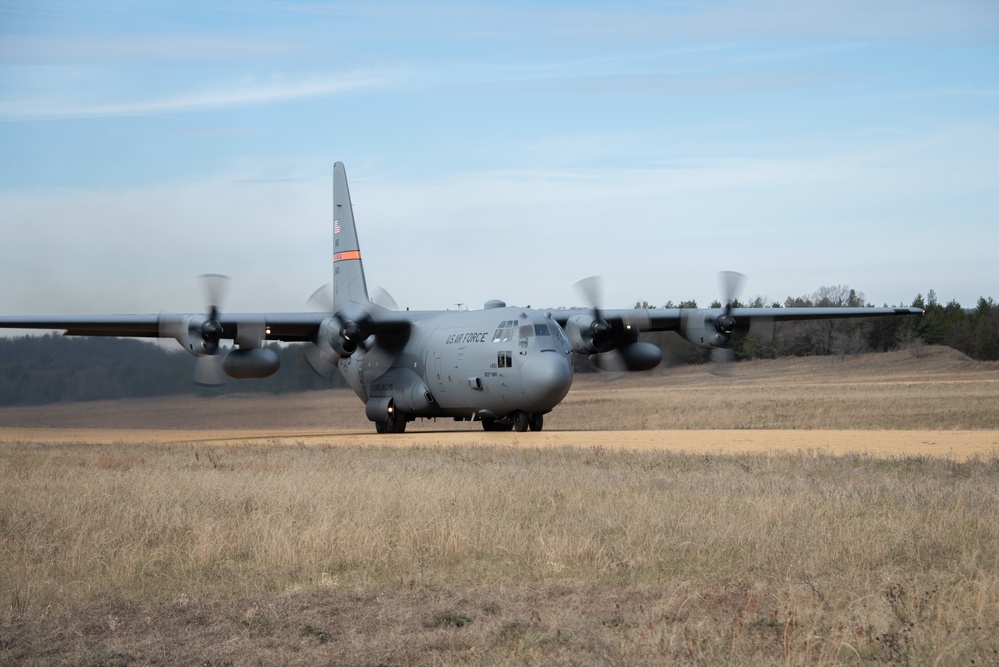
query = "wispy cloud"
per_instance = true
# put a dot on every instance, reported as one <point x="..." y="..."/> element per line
<point x="81" y="102"/>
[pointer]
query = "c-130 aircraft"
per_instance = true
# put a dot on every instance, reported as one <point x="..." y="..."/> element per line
<point x="504" y="366"/>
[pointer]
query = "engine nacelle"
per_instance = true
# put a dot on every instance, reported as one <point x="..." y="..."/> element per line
<point x="637" y="356"/>
<point x="189" y="331"/>
<point x="579" y="330"/>
<point x="341" y="337"/>
<point x="706" y="327"/>
<point x="255" y="362"/>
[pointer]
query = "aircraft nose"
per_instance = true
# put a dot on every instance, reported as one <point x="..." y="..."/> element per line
<point x="547" y="378"/>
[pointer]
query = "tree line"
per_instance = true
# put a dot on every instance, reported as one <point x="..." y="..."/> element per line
<point x="973" y="331"/>
<point x="51" y="368"/>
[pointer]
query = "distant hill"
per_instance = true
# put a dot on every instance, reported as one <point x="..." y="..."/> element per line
<point x="51" y="369"/>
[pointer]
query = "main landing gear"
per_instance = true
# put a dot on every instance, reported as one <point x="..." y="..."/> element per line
<point x="519" y="421"/>
<point x="396" y="423"/>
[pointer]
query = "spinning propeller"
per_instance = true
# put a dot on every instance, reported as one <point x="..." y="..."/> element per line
<point x="611" y="338"/>
<point x="613" y="341"/>
<point x="731" y="284"/>
<point x="599" y="332"/>
<point x="342" y="333"/>
<point x="201" y="336"/>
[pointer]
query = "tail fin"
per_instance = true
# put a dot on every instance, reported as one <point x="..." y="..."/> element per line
<point x="349" y="288"/>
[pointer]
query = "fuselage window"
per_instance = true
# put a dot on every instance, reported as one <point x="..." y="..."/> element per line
<point x="504" y="360"/>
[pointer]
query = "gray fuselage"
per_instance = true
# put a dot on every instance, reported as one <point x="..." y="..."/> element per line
<point x="471" y="365"/>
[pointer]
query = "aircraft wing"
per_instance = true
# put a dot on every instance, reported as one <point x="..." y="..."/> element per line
<point x="290" y="327"/>
<point x="611" y="339"/>
<point x="201" y="335"/>
<point x="789" y="314"/>
<point x="671" y="319"/>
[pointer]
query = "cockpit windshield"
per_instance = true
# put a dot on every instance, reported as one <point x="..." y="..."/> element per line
<point x="512" y="330"/>
<point x="505" y="331"/>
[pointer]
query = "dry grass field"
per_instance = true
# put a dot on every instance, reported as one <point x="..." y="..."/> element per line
<point x="843" y="511"/>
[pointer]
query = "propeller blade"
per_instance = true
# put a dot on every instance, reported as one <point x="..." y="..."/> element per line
<point x="383" y="299"/>
<point x="322" y="298"/>
<point x="377" y="361"/>
<point x="605" y="336"/>
<point x="592" y="289"/>
<point x="358" y="331"/>
<point x="216" y="287"/>
<point x="722" y="358"/>
<point x="319" y="353"/>
<point x="612" y="364"/>
<point x="208" y="370"/>
<point x="318" y="360"/>
<point x="731" y="284"/>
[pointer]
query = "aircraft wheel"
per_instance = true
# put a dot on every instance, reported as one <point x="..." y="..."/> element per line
<point x="488" y="424"/>
<point x="520" y="421"/>
<point x="536" y="422"/>
<point x="397" y="423"/>
<point x="380" y="427"/>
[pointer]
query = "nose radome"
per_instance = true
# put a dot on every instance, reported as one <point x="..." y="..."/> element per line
<point x="547" y="377"/>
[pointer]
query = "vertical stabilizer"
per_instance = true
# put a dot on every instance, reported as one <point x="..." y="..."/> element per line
<point x="349" y="289"/>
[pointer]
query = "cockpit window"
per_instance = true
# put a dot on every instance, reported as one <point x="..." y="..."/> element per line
<point x="509" y="330"/>
<point x="560" y="334"/>
<point x="505" y="331"/>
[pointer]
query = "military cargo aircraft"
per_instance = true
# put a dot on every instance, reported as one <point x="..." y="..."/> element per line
<point x="504" y="366"/>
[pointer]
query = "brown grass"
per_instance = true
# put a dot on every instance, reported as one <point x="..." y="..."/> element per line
<point x="193" y="553"/>
<point x="940" y="389"/>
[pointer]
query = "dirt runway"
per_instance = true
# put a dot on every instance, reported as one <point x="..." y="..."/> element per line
<point x="935" y="403"/>
<point x="956" y="445"/>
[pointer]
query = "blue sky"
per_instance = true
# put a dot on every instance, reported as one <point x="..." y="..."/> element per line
<point x="496" y="150"/>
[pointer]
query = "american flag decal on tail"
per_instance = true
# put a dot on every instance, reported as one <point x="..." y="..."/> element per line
<point x="336" y="226"/>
